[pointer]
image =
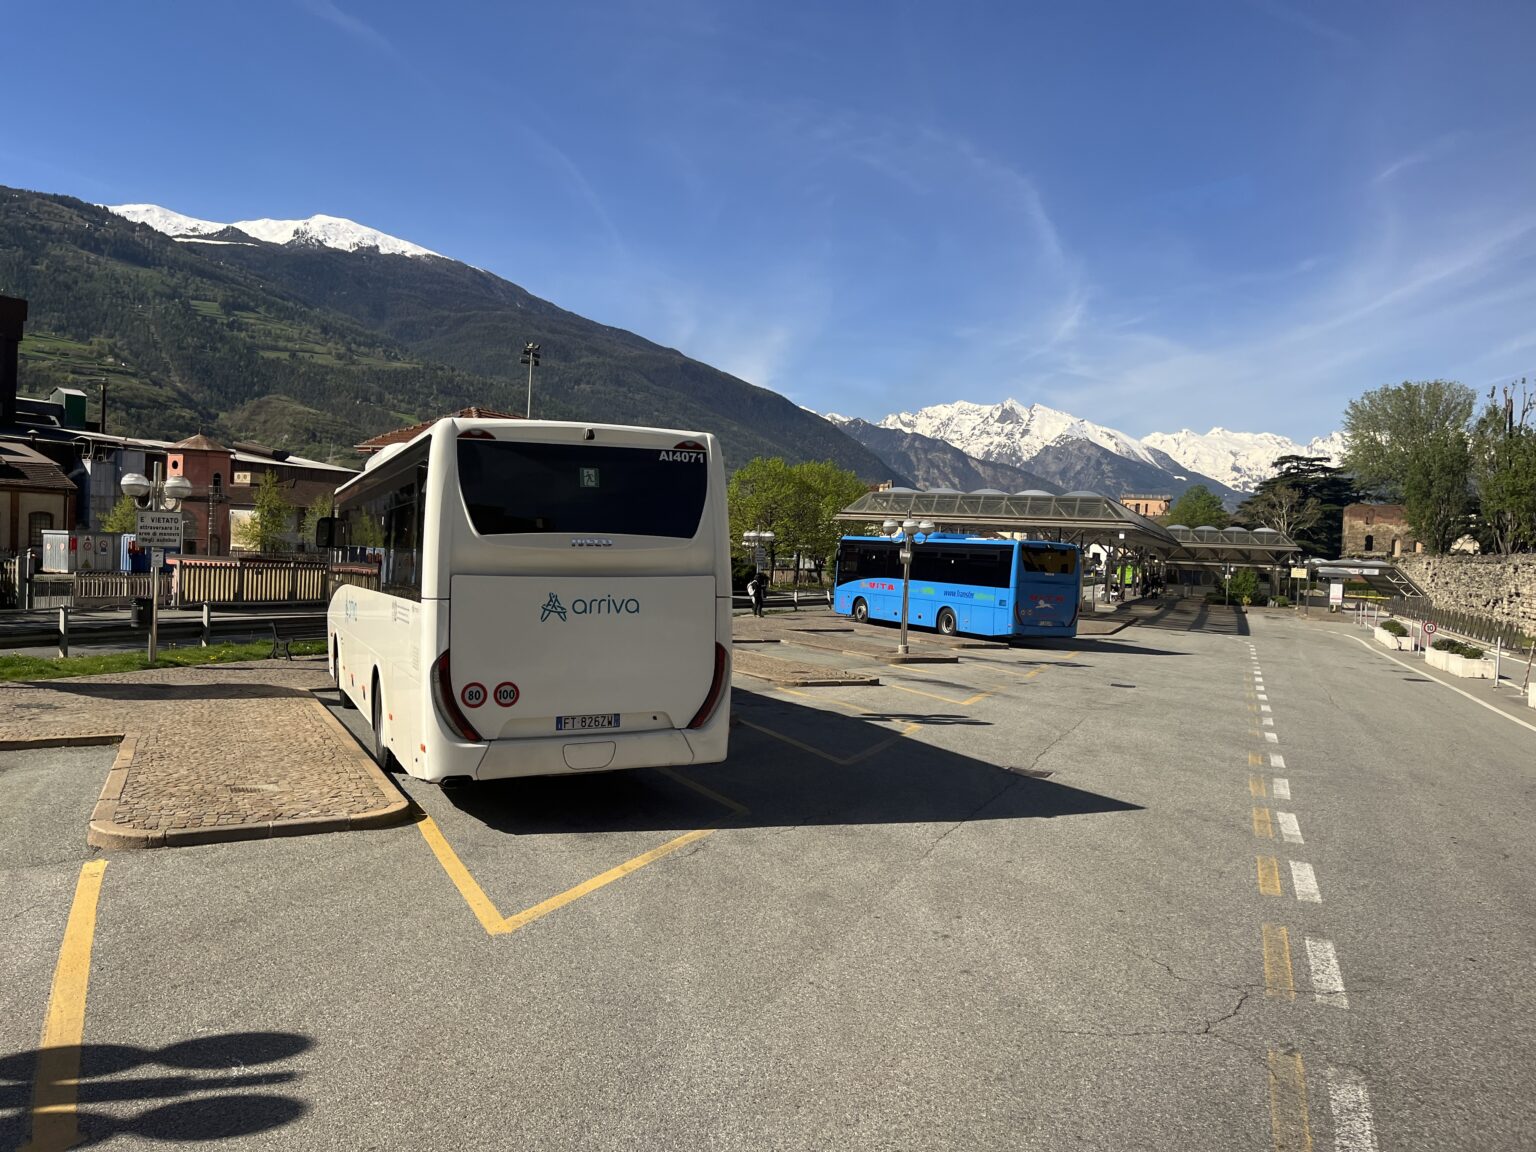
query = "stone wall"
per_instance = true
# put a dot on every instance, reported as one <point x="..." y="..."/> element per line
<point x="1498" y="586"/>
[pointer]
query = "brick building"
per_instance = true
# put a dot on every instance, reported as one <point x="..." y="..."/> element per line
<point x="1149" y="506"/>
<point x="1378" y="530"/>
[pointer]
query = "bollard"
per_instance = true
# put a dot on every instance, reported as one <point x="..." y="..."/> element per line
<point x="1498" y="651"/>
<point x="207" y="623"/>
<point x="63" y="633"/>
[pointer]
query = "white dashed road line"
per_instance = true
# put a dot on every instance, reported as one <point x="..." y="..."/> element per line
<point x="1327" y="980"/>
<point x="1271" y="737"/>
<point x="1353" y="1128"/>
<point x="1276" y="760"/>
<point x="1304" y="880"/>
<point x="1282" y="787"/>
<point x="1289" y="828"/>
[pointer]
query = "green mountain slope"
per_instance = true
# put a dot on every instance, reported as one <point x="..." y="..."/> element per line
<point x="313" y="349"/>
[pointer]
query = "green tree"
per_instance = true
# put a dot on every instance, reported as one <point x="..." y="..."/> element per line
<point x="1410" y="441"/>
<point x="267" y="528"/>
<point x="1305" y="499"/>
<point x="797" y="503"/>
<point x="1504" y="470"/>
<point x="124" y="516"/>
<point x="1198" y="507"/>
<point x="320" y="507"/>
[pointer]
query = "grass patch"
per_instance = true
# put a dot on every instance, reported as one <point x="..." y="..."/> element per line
<point x="44" y="668"/>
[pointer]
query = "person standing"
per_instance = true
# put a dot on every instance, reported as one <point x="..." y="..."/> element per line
<point x="758" y="591"/>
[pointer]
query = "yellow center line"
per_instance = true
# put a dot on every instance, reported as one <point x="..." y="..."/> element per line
<point x="1255" y="760"/>
<point x="1279" y="979"/>
<point x="1288" y="1102"/>
<point x="1257" y="788"/>
<point x="1269" y="876"/>
<point x="495" y="924"/>
<point x="1263" y="827"/>
<point x="56" y="1089"/>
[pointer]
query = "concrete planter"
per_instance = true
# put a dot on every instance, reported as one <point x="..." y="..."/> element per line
<point x="1396" y="643"/>
<point x="1472" y="669"/>
<point x="1459" y="665"/>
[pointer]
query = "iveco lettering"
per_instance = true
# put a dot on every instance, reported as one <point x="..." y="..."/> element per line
<point x="586" y="564"/>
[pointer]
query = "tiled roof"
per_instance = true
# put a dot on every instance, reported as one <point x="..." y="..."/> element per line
<point x="21" y="465"/>
<point x="401" y="435"/>
<point x="200" y="443"/>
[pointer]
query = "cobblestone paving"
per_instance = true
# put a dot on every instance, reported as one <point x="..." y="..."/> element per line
<point x="216" y="745"/>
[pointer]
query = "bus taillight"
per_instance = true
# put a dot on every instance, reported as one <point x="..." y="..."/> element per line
<point x="716" y="688"/>
<point x="447" y="705"/>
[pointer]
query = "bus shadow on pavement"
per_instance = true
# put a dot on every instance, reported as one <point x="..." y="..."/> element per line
<point x="198" y="1069"/>
<point x="789" y="765"/>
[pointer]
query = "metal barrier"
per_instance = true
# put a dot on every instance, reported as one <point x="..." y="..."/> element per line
<point x="1486" y="630"/>
<point x="221" y="580"/>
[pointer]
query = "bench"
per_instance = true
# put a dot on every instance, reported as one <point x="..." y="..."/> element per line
<point x="285" y="632"/>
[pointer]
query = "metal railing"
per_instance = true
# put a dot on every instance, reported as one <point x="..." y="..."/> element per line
<point x="1486" y="630"/>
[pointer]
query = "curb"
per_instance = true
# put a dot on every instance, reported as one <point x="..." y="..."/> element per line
<point x="105" y="833"/>
<point x="813" y="681"/>
<point x="88" y="740"/>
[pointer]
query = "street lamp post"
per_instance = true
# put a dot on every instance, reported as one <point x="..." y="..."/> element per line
<point x="156" y="495"/>
<point x="530" y="358"/>
<point x="906" y="534"/>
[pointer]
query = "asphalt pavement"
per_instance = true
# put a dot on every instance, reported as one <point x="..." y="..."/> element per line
<point x="1215" y="882"/>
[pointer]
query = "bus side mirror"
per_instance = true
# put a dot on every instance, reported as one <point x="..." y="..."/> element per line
<point x="325" y="532"/>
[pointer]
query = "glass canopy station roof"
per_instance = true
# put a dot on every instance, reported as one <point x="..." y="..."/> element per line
<point x="1081" y="518"/>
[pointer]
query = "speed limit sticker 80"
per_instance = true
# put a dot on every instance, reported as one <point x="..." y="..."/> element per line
<point x="473" y="694"/>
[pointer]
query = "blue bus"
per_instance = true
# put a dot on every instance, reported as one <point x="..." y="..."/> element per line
<point x="964" y="584"/>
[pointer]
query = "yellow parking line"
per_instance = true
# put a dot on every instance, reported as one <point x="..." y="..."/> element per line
<point x="1279" y="978"/>
<point x="1263" y="827"/>
<point x="1269" y="876"/>
<point x="1255" y="760"/>
<point x="57" y="1083"/>
<point x="1257" y="788"/>
<point x="859" y="708"/>
<point x="945" y="699"/>
<point x="495" y="924"/>
<point x="840" y="761"/>
<point x="1288" y="1102"/>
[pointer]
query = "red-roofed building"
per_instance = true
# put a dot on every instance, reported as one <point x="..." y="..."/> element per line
<point x="402" y="435"/>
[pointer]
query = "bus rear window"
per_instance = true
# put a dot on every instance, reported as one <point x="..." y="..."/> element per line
<point x="513" y="486"/>
<point x="1049" y="561"/>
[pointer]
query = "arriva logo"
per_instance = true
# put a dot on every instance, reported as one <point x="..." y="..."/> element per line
<point x="590" y="606"/>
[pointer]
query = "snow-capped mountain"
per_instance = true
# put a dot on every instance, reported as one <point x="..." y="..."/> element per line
<point x="1239" y="459"/>
<point x="1011" y="432"/>
<point x="320" y="231"/>
<point x="1016" y="434"/>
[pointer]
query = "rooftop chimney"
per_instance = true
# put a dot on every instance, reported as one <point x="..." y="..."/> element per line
<point x="13" y="317"/>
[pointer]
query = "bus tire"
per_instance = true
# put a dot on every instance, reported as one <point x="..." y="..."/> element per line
<point x="946" y="622"/>
<point x="380" y="750"/>
<point x="341" y="689"/>
<point x="860" y="610"/>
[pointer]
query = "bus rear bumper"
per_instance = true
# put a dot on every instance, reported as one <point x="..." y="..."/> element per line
<point x="559" y="755"/>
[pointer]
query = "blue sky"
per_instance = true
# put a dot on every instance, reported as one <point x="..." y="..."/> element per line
<point x="1154" y="215"/>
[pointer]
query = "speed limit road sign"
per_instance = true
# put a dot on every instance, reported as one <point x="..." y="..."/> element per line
<point x="1430" y="627"/>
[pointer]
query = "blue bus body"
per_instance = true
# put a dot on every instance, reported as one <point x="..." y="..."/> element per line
<point x="964" y="584"/>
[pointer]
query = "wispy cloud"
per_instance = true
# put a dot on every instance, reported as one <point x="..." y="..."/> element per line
<point x="1400" y="164"/>
<point x="1307" y="23"/>
<point x="359" y="30"/>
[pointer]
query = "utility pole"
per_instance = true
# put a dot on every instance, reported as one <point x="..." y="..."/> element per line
<point x="530" y="358"/>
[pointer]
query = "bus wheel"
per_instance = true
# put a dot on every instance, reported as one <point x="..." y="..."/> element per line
<point x="381" y="755"/>
<point x="860" y="610"/>
<point x="946" y="622"/>
<point x="341" y="689"/>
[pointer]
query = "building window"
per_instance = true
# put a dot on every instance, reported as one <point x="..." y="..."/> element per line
<point x="217" y="488"/>
<point x="37" y="524"/>
<point x="1370" y="543"/>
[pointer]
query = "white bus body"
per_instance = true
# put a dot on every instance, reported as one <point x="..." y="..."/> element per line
<point x="554" y="597"/>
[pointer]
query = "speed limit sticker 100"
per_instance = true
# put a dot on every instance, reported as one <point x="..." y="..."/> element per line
<point x="506" y="694"/>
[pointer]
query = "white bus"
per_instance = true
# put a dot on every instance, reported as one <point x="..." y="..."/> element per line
<point x="553" y="598"/>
